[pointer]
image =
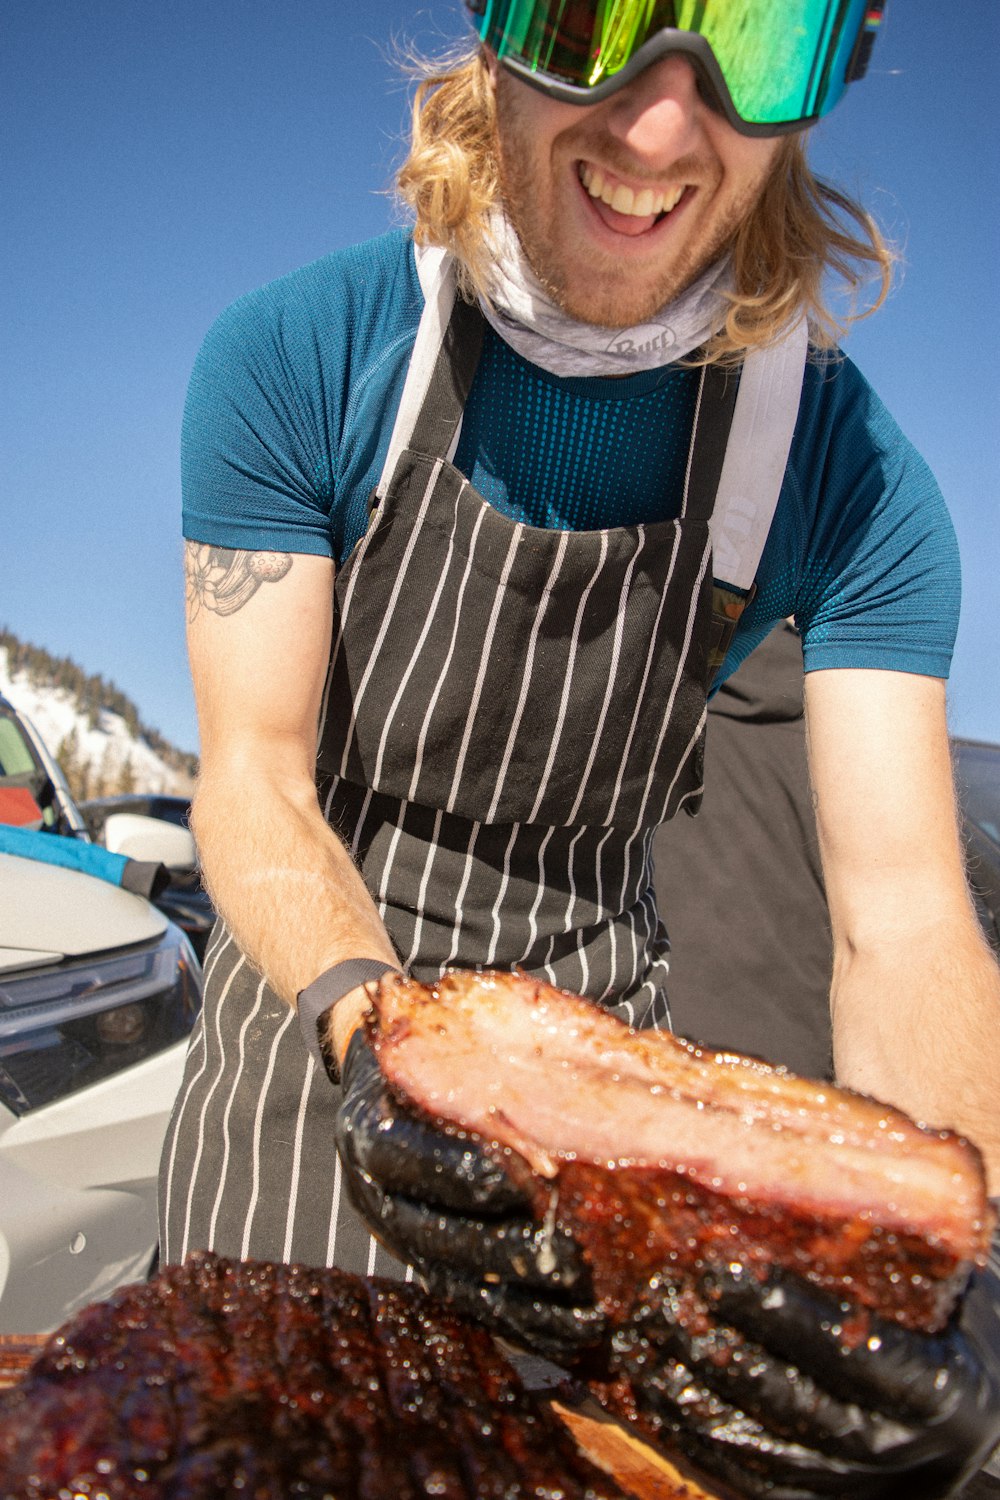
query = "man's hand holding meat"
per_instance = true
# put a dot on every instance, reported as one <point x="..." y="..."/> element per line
<point x="783" y="1392"/>
<point x="445" y="1204"/>
<point x="782" y="1396"/>
<point x="767" y="1382"/>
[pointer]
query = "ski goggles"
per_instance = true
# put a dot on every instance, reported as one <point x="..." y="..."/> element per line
<point x="769" y="66"/>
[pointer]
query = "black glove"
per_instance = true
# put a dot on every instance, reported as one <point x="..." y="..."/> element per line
<point x="770" y="1398"/>
<point x="445" y="1204"/>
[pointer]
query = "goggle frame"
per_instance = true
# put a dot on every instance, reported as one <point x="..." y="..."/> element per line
<point x="670" y="41"/>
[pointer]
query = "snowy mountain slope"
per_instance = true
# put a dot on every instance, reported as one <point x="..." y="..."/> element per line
<point x="99" y="752"/>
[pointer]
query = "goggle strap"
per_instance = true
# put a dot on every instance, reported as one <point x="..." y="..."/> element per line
<point x="858" y="65"/>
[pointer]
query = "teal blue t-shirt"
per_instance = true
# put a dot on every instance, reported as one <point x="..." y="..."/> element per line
<point x="296" y="386"/>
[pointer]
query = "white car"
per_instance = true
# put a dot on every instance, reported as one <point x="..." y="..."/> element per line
<point x="98" y="991"/>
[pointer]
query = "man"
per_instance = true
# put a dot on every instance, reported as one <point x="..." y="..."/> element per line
<point x="471" y="538"/>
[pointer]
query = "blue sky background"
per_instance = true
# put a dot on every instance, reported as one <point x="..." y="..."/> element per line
<point x="160" y="159"/>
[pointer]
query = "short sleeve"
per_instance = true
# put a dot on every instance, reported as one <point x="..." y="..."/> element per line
<point x="863" y="551"/>
<point x="285" y="421"/>
<point x="882" y="582"/>
<point x="255" y="463"/>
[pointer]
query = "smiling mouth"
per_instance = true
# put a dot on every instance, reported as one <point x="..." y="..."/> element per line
<point x="648" y="203"/>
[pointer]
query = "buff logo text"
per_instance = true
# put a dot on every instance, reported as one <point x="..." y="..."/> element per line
<point x="646" y="339"/>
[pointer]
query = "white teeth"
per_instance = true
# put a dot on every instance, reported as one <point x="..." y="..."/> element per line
<point x="642" y="205"/>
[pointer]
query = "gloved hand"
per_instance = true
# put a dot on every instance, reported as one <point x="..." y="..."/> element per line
<point x="445" y="1204"/>
<point x="772" y="1400"/>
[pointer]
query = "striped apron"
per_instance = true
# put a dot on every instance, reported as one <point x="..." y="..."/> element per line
<point x="510" y="713"/>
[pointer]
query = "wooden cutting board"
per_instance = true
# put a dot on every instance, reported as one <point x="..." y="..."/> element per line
<point x="641" y="1471"/>
<point x="17" y="1350"/>
<point x="638" y="1469"/>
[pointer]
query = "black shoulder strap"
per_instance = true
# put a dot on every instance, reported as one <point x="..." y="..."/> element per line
<point x="451" y="381"/>
<point x="710" y="438"/>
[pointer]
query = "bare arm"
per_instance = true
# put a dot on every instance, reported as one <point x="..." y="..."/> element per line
<point x="259" y="640"/>
<point x="916" y="991"/>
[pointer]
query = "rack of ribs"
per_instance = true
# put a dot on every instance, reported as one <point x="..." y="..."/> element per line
<point x="238" y="1379"/>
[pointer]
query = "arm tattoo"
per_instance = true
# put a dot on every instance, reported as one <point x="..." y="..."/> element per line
<point x="222" y="580"/>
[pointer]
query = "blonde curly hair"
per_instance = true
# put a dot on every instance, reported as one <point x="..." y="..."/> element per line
<point x="801" y="228"/>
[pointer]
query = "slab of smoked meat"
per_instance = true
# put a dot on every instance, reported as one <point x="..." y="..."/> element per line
<point x="262" y="1382"/>
<point x="660" y="1156"/>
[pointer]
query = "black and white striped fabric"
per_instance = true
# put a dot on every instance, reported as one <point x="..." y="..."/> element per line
<point x="509" y="715"/>
<point x="249" y="1166"/>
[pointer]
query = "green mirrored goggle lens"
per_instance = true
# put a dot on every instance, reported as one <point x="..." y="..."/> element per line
<point x="782" y="61"/>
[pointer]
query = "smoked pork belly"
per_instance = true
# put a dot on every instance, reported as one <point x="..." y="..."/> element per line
<point x="660" y="1156"/>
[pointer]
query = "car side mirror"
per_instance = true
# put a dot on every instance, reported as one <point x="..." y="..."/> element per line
<point x="150" y="839"/>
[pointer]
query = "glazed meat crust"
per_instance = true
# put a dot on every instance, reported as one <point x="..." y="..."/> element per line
<point x="265" y="1382"/>
<point x="659" y="1156"/>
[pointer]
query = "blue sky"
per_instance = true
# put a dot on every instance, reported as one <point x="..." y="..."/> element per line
<point x="162" y="158"/>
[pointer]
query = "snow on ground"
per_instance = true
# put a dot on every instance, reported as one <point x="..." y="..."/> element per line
<point x="55" y="715"/>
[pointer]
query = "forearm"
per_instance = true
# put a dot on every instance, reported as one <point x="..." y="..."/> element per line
<point x="916" y="1023"/>
<point x="282" y="880"/>
<point x="916" y="992"/>
<point x="259" y="633"/>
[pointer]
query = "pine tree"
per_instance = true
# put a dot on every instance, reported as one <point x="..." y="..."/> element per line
<point x="73" y="765"/>
<point x="92" y="694"/>
<point x="126" y="776"/>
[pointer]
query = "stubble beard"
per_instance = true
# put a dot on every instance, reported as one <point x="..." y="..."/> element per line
<point x="597" y="290"/>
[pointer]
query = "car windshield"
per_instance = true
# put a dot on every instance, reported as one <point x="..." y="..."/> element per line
<point x="25" y="788"/>
<point x="978" y="779"/>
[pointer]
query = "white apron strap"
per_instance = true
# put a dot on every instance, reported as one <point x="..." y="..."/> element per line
<point x="436" y="271"/>
<point x="759" y="441"/>
<point x="756" y="456"/>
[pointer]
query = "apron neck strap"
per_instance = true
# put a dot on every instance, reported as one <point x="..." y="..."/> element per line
<point x="438" y="421"/>
<point x="756" y="454"/>
<point x="442" y="366"/>
<point x="713" y="418"/>
<point x="741" y="437"/>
